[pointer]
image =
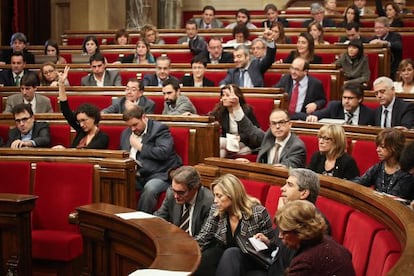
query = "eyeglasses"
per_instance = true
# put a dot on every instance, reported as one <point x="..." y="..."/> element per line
<point x="180" y="193"/>
<point x="325" y="138"/>
<point x="48" y="72"/>
<point x="278" y="123"/>
<point x="22" y="120"/>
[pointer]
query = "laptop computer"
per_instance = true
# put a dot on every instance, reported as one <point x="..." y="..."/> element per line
<point x="40" y="59"/>
<point x="80" y="58"/>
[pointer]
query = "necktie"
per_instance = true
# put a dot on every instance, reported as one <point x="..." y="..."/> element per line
<point x="208" y="26"/>
<point x="17" y="80"/>
<point x="276" y="156"/>
<point x="349" y="119"/>
<point x="385" y="118"/>
<point x="294" y="98"/>
<point x="241" y="79"/>
<point x="185" y="218"/>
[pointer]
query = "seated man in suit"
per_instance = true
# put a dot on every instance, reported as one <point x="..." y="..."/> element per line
<point x="174" y="102"/>
<point x="393" y="112"/>
<point x="195" y="42"/>
<point x="272" y="15"/>
<point x="393" y="40"/>
<point x="187" y="203"/>
<point x="100" y="76"/>
<point x="250" y="73"/>
<point x="27" y="95"/>
<point x="18" y="43"/>
<point x="28" y="132"/>
<point x="278" y="145"/>
<point x="134" y="95"/>
<point x="363" y="9"/>
<point x="318" y="14"/>
<point x="151" y="145"/>
<point x="351" y="109"/>
<point x="14" y="75"/>
<point x="306" y="93"/>
<point x="208" y="20"/>
<point x="215" y="54"/>
<point x="352" y="32"/>
<point x="162" y="73"/>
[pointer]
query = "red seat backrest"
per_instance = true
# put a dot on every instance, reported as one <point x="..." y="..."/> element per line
<point x="15" y="177"/>
<point x="325" y="78"/>
<point x="408" y="42"/>
<point x="177" y="57"/>
<point x="271" y="78"/>
<point x="61" y="188"/>
<point x="365" y="154"/>
<point x="373" y="63"/>
<point x="272" y="199"/>
<point x="384" y="245"/>
<point x="204" y="104"/>
<point x="262" y="107"/>
<point x="159" y="103"/>
<point x="216" y="76"/>
<point x="337" y="215"/>
<point x="181" y="136"/>
<point x="359" y="236"/>
<point x="389" y="263"/>
<point x="256" y="189"/>
<point x="114" y="133"/>
<point x="372" y="104"/>
<point x="74" y="77"/>
<point x="311" y="144"/>
<point x="4" y="132"/>
<point x="53" y="102"/>
<point x="59" y="135"/>
<point x="101" y="101"/>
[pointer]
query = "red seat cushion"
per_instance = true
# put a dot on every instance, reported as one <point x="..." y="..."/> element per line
<point x="15" y="177"/>
<point x="256" y="189"/>
<point x="56" y="245"/>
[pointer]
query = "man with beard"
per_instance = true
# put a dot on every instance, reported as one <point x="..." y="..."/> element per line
<point x="175" y="103"/>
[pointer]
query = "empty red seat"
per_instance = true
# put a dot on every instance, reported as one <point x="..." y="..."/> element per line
<point x="272" y="200"/>
<point x="204" y="104"/>
<point x="262" y="107"/>
<point x="101" y="101"/>
<point x="114" y="133"/>
<point x="4" y="133"/>
<point x="311" y="144"/>
<point x="15" y="177"/>
<point x="256" y="189"/>
<point x="181" y="136"/>
<point x="74" y="77"/>
<point x="365" y="154"/>
<point x="159" y="102"/>
<point x="59" y="135"/>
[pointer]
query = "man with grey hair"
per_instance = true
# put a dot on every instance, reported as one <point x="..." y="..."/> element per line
<point x="187" y="203"/>
<point x="250" y="73"/>
<point x="18" y="43"/>
<point x="258" y="48"/>
<point x="393" y="112"/>
<point x="318" y="13"/>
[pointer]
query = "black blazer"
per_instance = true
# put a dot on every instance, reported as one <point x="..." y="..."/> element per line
<point x="335" y="110"/>
<point x="6" y="77"/>
<point x="315" y="93"/>
<point x="189" y="81"/>
<point x="402" y="114"/>
<point x="225" y="57"/>
<point x="6" y="56"/>
<point x="40" y="135"/>
<point x="345" y="166"/>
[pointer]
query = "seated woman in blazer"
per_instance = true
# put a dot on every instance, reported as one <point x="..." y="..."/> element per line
<point x="197" y="79"/>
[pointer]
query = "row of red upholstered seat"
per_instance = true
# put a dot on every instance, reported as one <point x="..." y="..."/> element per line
<point x="374" y="248"/>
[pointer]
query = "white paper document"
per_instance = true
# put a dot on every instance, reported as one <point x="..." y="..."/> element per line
<point x="258" y="244"/>
<point x="135" y="215"/>
<point x="158" y="272"/>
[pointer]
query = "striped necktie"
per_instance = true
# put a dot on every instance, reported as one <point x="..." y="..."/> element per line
<point x="185" y="218"/>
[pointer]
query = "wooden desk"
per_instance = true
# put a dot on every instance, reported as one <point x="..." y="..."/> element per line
<point x="115" y="246"/>
<point x="15" y="233"/>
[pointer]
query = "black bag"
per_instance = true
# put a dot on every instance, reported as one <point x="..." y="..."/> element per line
<point x="262" y="258"/>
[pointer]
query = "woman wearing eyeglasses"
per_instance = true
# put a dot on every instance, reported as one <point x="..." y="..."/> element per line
<point x="332" y="159"/>
<point x="387" y="176"/>
<point x="49" y="75"/>
<point x="234" y="217"/>
<point x="84" y="121"/>
<point x="303" y="228"/>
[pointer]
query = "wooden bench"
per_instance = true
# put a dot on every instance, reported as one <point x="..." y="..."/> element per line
<point x="347" y="206"/>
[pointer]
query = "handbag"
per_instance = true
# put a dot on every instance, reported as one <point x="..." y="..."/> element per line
<point x="263" y="257"/>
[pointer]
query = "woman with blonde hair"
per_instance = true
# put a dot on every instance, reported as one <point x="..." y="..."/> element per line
<point x="332" y="159"/>
<point x="234" y="217"/>
<point x="49" y="76"/>
<point x="142" y="54"/>
<point x="149" y="34"/>
<point x="405" y="80"/>
<point x="303" y="228"/>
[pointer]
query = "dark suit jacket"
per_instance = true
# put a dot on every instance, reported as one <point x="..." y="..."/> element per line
<point x="130" y="58"/>
<point x="345" y="166"/>
<point x="6" y="56"/>
<point x="226" y="57"/>
<point x="196" y="45"/>
<point x="256" y="70"/>
<point x="335" y="110"/>
<point x="279" y="19"/>
<point x="292" y="55"/>
<point x="395" y="40"/>
<point x="6" y="77"/>
<point x="99" y="141"/>
<point x="402" y="114"/>
<point x="157" y="156"/>
<point x="152" y="80"/>
<point x="40" y="135"/>
<point x="344" y="39"/>
<point x="112" y="78"/>
<point x="118" y="106"/>
<point x="189" y="81"/>
<point x="326" y="22"/>
<point x="171" y="211"/>
<point x="315" y="93"/>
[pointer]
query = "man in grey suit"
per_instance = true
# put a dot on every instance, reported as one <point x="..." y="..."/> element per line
<point x="279" y="146"/>
<point x="100" y="76"/>
<point x="250" y="73"/>
<point x="133" y="96"/>
<point x="28" y="87"/>
<point x="195" y="42"/>
<point x="186" y="192"/>
<point x="28" y="132"/>
<point x="208" y="20"/>
<point x="174" y="102"/>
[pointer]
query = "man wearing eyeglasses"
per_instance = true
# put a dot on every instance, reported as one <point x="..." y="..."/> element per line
<point x="278" y="145"/>
<point x="100" y="76"/>
<point x="27" y="95"/>
<point x="186" y="194"/>
<point x="350" y="109"/>
<point x="28" y="132"/>
<point x="401" y="4"/>
<point x="393" y="112"/>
